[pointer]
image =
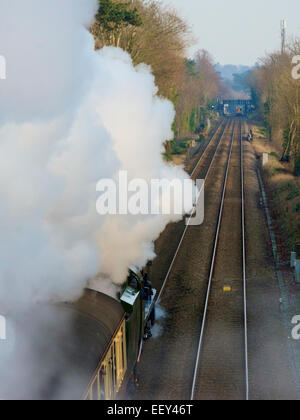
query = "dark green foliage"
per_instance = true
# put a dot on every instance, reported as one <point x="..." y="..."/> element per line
<point x="297" y="168"/>
<point x="196" y="121"/>
<point x="111" y="14"/>
<point x="293" y="194"/>
<point x="286" y="145"/>
<point x="167" y="157"/>
<point x="274" y="155"/>
<point x="193" y="124"/>
<point x="178" y="148"/>
<point x="267" y="108"/>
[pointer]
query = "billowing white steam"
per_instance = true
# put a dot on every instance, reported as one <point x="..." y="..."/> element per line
<point x="70" y="116"/>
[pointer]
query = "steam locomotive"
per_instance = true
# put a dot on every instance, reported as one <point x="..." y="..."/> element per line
<point x="117" y="362"/>
<point x="86" y="349"/>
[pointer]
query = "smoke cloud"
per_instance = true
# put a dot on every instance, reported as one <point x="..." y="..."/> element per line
<point x="70" y="116"/>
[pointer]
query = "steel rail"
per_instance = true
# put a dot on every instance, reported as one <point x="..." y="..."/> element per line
<point x="244" y="263"/>
<point x="227" y="124"/>
<point x="208" y="145"/>
<point x="212" y="267"/>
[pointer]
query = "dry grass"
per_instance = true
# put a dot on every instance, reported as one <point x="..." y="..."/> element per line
<point x="178" y="159"/>
<point x="273" y="168"/>
<point x="285" y="190"/>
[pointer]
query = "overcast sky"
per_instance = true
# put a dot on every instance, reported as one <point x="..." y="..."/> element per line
<point x="238" y="31"/>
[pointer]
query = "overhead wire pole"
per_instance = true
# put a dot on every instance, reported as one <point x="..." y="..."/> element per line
<point x="283" y="35"/>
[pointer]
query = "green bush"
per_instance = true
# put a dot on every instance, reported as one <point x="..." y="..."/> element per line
<point x="175" y="149"/>
<point x="179" y="148"/>
<point x="298" y="207"/>
<point x="183" y="145"/>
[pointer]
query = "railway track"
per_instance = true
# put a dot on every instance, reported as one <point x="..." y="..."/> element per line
<point x="221" y="367"/>
<point x="175" y="232"/>
<point x="201" y="344"/>
<point x="223" y="332"/>
<point x="187" y="299"/>
<point x="203" y="164"/>
<point x="206" y="161"/>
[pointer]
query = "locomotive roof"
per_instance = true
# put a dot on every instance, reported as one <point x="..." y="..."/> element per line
<point x="58" y="348"/>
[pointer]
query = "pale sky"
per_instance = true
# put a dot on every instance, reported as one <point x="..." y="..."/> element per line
<point x="238" y="31"/>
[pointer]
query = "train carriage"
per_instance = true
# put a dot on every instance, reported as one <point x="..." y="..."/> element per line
<point x="81" y="350"/>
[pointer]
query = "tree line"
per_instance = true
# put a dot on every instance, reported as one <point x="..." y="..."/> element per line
<point x="277" y="95"/>
<point x="155" y="35"/>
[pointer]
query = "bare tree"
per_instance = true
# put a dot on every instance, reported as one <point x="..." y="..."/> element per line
<point x="277" y="94"/>
<point x="155" y="35"/>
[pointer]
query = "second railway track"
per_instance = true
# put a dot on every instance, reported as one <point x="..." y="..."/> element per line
<point x="221" y="368"/>
<point x="184" y="291"/>
<point x="200" y="350"/>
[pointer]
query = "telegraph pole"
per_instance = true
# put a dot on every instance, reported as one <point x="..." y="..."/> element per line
<point x="283" y="25"/>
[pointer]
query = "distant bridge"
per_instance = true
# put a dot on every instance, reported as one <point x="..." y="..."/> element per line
<point x="238" y="107"/>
